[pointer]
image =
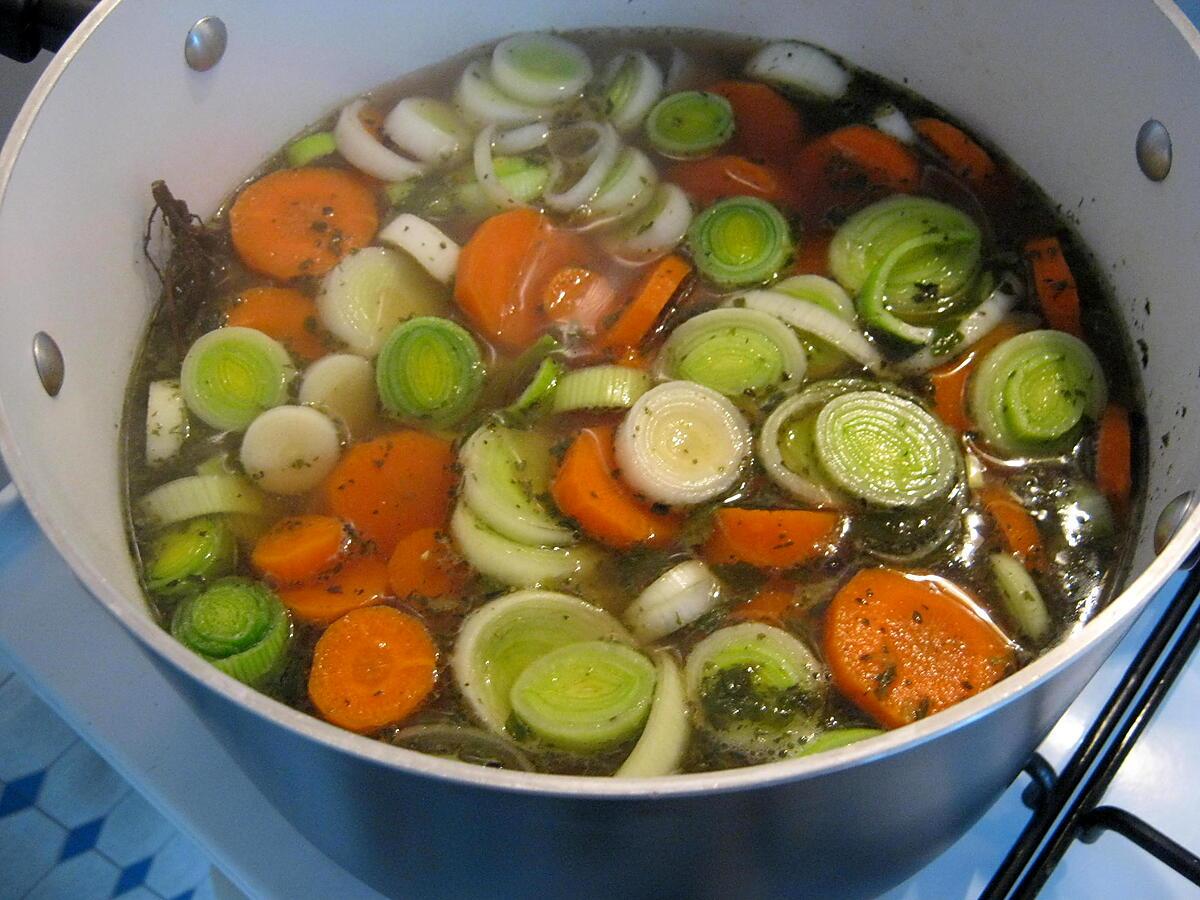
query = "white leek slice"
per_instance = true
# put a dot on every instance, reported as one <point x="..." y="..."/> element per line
<point x="431" y="130"/>
<point x="804" y="481"/>
<point x="1021" y="598"/>
<point x="199" y="495"/>
<point x="632" y="85"/>
<point x="818" y="322"/>
<point x="981" y="320"/>
<point x="682" y="443"/>
<point x="656" y="229"/>
<point x="342" y="385"/>
<point x="604" y="153"/>
<point x="290" y="449"/>
<point x="800" y="67"/>
<point x="627" y="189"/>
<point x="513" y="563"/>
<point x="424" y="242"/>
<point x="166" y="421"/>
<point x="485" y="170"/>
<point x="364" y="152"/>
<point x="540" y="68"/>
<point x="660" y="749"/>
<point x="505" y="474"/>
<point x="366" y="295"/>
<point x="499" y="640"/>
<point x="482" y="103"/>
<point x="890" y="120"/>
<point x="676" y="598"/>
<point x="521" y="139"/>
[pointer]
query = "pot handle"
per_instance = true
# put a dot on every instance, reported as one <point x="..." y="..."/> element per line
<point x="29" y="26"/>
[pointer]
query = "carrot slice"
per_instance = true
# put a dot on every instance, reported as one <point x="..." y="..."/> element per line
<point x="767" y="126"/>
<point x="300" y="547"/>
<point x="1017" y="527"/>
<point x="578" y="296"/>
<point x="962" y="155"/>
<point x="296" y="222"/>
<point x="903" y="645"/>
<point x="769" y="605"/>
<point x="286" y="315"/>
<point x="708" y="180"/>
<point x="357" y="582"/>
<point x="372" y="668"/>
<point x="812" y="255"/>
<point x="587" y="489"/>
<point x="1114" y="457"/>
<point x="1057" y="294"/>
<point x="423" y="565"/>
<point x="661" y="283"/>
<point x="850" y="166"/>
<point x="949" y="380"/>
<point x="391" y="486"/>
<point x="770" y="538"/>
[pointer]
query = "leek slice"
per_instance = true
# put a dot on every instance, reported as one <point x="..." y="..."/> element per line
<point x="182" y="559"/>
<point x="539" y="393"/>
<point x="1020" y="596"/>
<point x="888" y="118"/>
<point x="501" y="638"/>
<point x="430" y="369"/>
<point x="481" y="102"/>
<point x="660" y="749"/>
<point x="601" y="157"/>
<point x="424" y="242"/>
<point x="836" y="738"/>
<point x="689" y="124"/>
<point x="910" y="260"/>
<point x="166" y="421"/>
<point x="600" y="387"/>
<point x="431" y="130"/>
<point x="199" y="495"/>
<point x="824" y="358"/>
<point x="656" y="229"/>
<point x="981" y="320"/>
<point x="1029" y="395"/>
<point x="1084" y="515"/>
<point x="628" y="187"/>
<point x="512" y="563"/>
<point x="885" y="449"/>
<point x="290" y="449"/>
<point x="342" y="385"/>
<point x="586" y="696"/>
<point x="801" y="68"/>
<point x="740" y="241"/>
<point x="363" y="151"/>
<point x="506" y="473"/>
<point x="682" y="443"/>
<point x="632" y="84"/>
<point x="678" y="597"/>
<point x="310" y="148"/>
<point x="738" y="352"/>
<point x="540" y="68"/>
<point x="366" y="295"/>
<point x="469" y="745"/>
<point x="230" y="375"/>
<point x="818" y="321"/>
<point x="759" y="690"/>
<point x="459" y="193"/>
<point x="238" y="625"/>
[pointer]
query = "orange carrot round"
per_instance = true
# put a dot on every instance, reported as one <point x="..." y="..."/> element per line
<point x="372" y="668"/>
<point x="1057" y="294"/>
<point x="660" y="284"/>
<point x="392" y="485"/>
<point x="770" y="538"/>
<point x="578" y="296"/>
<point x="709" y="180"/>
<point x="962" y="155"/>
<point x="903" y="645"/>
<point x="424" y="566"/>
<point x="849" y="166"/>
<point x="1114" y="457"/>
<point x="300" y="547"/>
<point x="767" y="126"/>
<point x="949" y="380"/>
<point x="296" y="222"/>
<point x="286" y="315"/>
<point x="1017" y="526"/>
<point x="359" y="581"/>
<point x="769" y="605"/>
<point x="587" y="489"/>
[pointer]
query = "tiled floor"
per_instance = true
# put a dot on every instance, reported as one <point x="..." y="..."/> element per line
<point x="70" y="827"/>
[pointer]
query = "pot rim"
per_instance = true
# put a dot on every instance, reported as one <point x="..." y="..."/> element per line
<point x="1117" y="614"/>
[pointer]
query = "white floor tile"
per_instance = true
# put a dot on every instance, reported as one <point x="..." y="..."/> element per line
<point x="31" y="735"/>
<point x="177" y="867"/>
<point x="133" y="831"/>
<point x="29" y="846"/>
<point x="88" y="876"/>
<point x="80" y="787"/>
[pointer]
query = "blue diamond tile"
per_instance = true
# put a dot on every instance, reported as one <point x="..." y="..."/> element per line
<point x="178" y="866"/>
<point x="32" y="736"/>
<point x="88" y="876"/>
<point x="139" y="893"/>
<point x="29" y="845"/>
<point x="133" y="831"/>
<point x="81" y="839"/>
<point x="133" y="876"/>
<point x="186" y="895"/>
<point x="20" y="794"/>
<point x="80" y="786"/>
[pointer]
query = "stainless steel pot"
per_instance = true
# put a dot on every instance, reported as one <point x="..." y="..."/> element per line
<point x="1064" y="87"/>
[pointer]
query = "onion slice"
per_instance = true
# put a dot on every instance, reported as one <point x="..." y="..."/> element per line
<point x="364" y="152"/>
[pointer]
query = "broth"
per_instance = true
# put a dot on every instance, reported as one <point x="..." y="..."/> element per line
<point x="983" y="502"/>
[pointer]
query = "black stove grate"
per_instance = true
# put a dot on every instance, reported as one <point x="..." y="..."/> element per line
<point x="1065" y="804"/>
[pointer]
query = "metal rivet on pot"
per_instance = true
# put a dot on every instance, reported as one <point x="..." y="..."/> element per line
<point x="205" y="43"/>
<point x="48" y="360"/>
<point x="1154" y="150"/>
<point x="1173" y="515"/>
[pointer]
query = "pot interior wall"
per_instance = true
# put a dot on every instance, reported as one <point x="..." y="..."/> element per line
<point x="1063" y="89"/>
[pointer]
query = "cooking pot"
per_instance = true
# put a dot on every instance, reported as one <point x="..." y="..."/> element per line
<point x="1063" y="88"/>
